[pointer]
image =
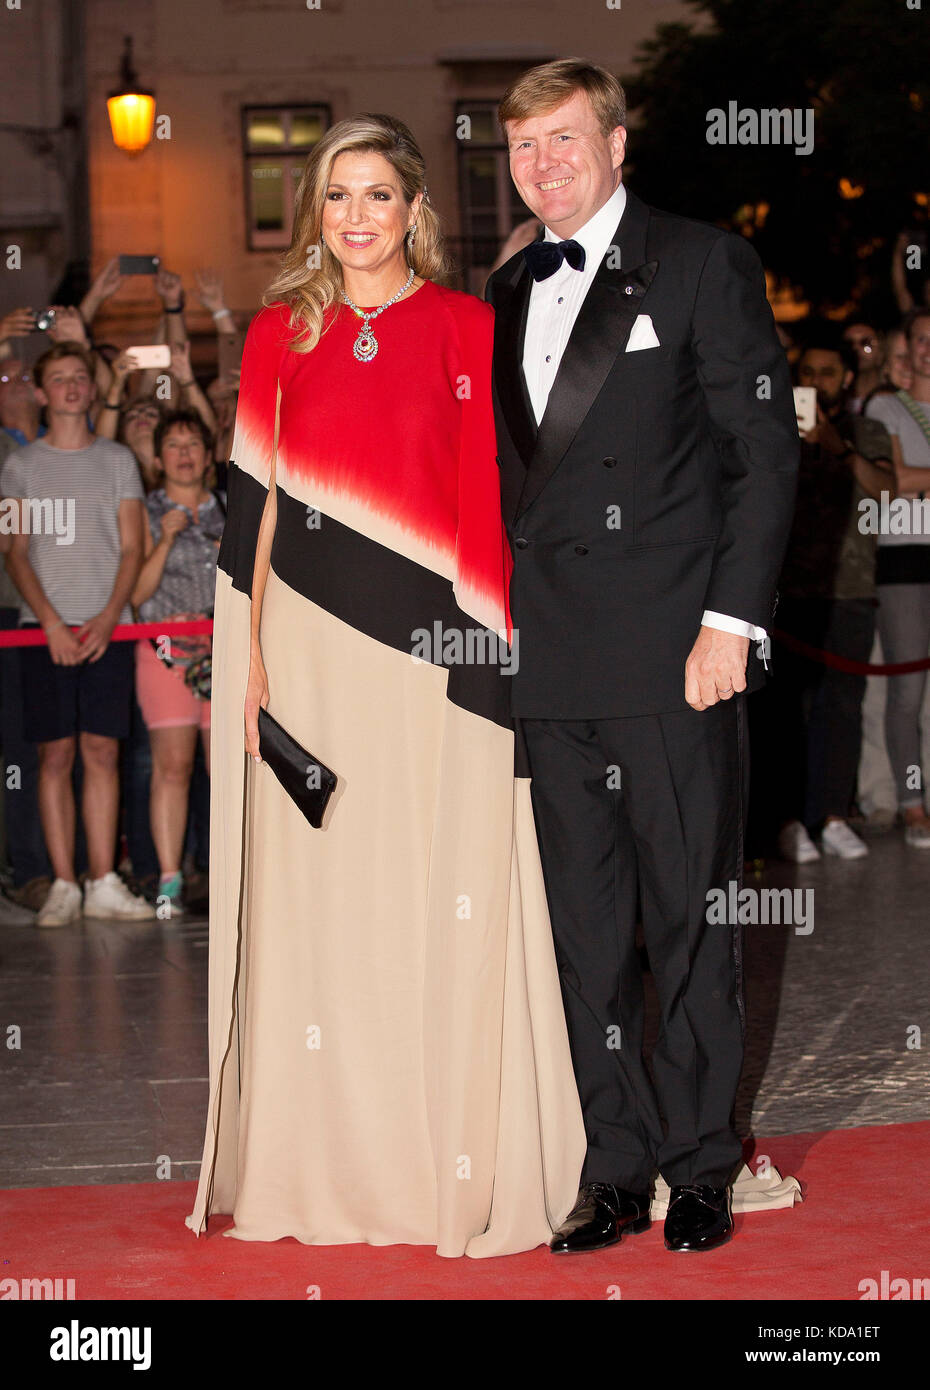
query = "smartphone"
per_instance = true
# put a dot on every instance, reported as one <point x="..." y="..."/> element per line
<point x="45" y="318"/>
<point x="139" y="265"/>
<point x="152" y="355"/>
<point x="805" y="405"/>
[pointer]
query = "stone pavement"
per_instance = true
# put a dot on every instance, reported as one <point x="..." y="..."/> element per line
<point x="110" y="1077"/>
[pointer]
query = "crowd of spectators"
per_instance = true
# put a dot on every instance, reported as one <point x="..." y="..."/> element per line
<point x="857" y="568"/>
<point x="113" y="480"/>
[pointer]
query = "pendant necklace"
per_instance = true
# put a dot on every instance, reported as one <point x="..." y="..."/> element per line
<point x="365" y="347"/>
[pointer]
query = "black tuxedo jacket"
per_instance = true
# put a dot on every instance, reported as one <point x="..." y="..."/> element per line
<point x="694" y="441"/>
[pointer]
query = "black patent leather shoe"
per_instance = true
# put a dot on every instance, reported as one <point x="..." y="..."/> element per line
<point x="601" y="1216"/>
<point x="698" y="1218"/>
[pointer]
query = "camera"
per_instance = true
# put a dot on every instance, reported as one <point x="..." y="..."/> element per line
<point x="45" y="318"/>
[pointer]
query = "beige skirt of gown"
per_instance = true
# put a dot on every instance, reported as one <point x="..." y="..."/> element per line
<point x="389" y="1061"/>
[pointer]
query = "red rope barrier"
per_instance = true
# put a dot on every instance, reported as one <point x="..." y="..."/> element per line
<point x="123" y="632"/>
<point x="132" y="632"/>
<point x="843" y="663"/>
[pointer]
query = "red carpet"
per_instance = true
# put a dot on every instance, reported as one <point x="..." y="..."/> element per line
<point x="129" y="1241"/>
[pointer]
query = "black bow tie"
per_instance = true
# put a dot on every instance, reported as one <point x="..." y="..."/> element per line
<point x="545" y="257"/>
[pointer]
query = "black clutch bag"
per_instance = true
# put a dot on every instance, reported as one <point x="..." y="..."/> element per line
<point x="307" y="781"/>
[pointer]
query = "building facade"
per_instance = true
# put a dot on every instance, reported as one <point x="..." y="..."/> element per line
<point x="244" y="87"/>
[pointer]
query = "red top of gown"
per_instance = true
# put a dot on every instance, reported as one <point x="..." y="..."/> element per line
<point x="401" y="447"/>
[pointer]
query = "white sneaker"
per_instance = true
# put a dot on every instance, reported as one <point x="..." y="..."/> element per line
<point x="795" y="844"/>
<point x="840" y="839"/>
<point x="917" y="834"/>
<point x="109" y="897"/>
<point x="62" y="906"/>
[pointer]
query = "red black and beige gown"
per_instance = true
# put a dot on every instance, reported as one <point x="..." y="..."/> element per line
<point x="389" y="1061"/>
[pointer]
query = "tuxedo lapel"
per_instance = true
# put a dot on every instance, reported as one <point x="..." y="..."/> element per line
<point x="509" y="329"/>
<point x="600" y="332"/>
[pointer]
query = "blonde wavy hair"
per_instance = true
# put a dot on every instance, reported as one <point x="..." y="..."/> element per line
<point x="311" y="290"/>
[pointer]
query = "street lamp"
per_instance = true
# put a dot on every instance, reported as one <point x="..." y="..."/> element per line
<point x="131" y="108"/>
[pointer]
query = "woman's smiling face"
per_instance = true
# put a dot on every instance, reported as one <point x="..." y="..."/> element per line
<point x="365" y="215"/>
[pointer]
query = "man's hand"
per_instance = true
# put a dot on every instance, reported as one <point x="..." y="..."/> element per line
<point x="168" y="286"/>
<point x="94" y="635"/>
<point x="716" y="668"/>
<point x="181" y="364"/>
<point x="63" y="646"/>
<point x="122" y="367"/>
<point x="108" y="281"/>
<point x="18" y="323"/>
<point x="825" y="434"/>
<point x="68" y="326"/>
<point x="209" y="290"/>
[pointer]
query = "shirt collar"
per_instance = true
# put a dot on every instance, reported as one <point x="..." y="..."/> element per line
<point x="595" y="235"/>
<point x="160" y="497"/>
<point x="20" y="437"/>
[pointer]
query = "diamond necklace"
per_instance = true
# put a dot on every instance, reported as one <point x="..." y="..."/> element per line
<point x="365" y="347"/>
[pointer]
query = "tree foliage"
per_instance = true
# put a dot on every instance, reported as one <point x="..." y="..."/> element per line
<point x="863" y="66"/>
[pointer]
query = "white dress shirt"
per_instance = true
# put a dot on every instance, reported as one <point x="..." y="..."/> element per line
<point x="553" y="308"/>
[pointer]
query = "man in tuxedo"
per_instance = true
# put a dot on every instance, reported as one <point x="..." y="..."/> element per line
<point x="648" y="448"/>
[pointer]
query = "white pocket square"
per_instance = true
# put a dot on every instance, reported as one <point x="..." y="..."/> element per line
<point x="643" y="334"/>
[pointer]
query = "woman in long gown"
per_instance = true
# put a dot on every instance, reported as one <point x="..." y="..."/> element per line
<point x="388" y="1054"/>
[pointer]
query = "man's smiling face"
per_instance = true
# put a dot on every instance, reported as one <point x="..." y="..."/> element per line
<point x="563" y="165"/>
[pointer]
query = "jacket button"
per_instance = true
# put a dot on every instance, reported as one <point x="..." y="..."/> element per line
<point x="521" y="542"/>
<point x="609" y="462"/>
<point x="581" y="550"/>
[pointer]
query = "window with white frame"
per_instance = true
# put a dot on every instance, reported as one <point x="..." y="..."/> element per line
<point x="490" y="204"/>
<point x="276" y="142"/>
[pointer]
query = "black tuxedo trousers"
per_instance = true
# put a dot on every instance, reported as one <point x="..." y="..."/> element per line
<point x="654" y="803"/>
